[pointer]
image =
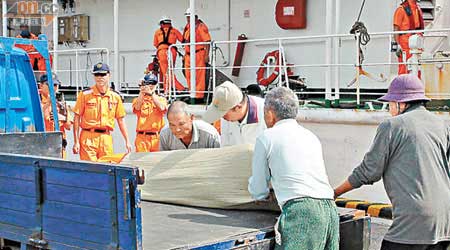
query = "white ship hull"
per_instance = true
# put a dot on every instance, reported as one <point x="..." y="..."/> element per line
<point x="227" y="19"/>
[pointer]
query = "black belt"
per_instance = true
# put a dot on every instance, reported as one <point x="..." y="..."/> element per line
<point x="147" y="133"/>
<point x="94" y="130"/>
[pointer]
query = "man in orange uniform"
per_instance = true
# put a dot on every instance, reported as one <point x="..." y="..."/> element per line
<point x="150" y="109"/>
<point x="201" y="53"/>
<point x="25" y="33"/>
<point x="165" y="36"/>
<point x="37" y="60"/>
<point x="63" y="115"/>
<point x="95" y="111"/>
<point x="408" y="16"/>
<point x="32" y="53"/>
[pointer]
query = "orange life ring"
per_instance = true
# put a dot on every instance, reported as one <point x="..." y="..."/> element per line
<point x="261" y="71"/>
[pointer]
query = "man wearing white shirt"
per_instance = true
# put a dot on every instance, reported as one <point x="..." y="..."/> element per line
<point x="242" y="116"/>
<point x="289" y="157"/>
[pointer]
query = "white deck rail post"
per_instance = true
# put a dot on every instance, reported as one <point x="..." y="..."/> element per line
<point x="4" y="18"/>
<point x="116" y="46"/>
<point x="212" y="48"/>
<point x="77" y="83"/>
<point x="55" y="35"/>
<point x="280" y="69"/>
<point x="285" y="67"/>
<point x="337" y="51"/>
<point x="283" y="70"/>
<point x="328" y="54"/>
<point x="192" y="48"/>
<point x="169" y="73"/>
<point x="108" y="54"/>
<point x="358" y="65"/>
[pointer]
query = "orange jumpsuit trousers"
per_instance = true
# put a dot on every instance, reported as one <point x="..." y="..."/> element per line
<point x="94" y="146"/>
<point x="147" y="142"/>
<point x="163" y="55"/>
<point x="200" y="72"/>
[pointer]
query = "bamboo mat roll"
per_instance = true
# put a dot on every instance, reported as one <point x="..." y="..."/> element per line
<point x="211" y="178"/>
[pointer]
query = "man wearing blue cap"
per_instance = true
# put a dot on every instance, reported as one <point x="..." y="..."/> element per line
<point x="32" y="53"/>
<point x="411" y="153"/>
<point x="95" y="111"/>
<point x="150" y="109"/>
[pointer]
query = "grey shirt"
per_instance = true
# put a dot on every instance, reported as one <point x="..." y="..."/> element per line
<point x="204" y="135"/>
<point x="411" y="153"/>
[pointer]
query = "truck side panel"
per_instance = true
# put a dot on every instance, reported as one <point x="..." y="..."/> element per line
<point x="18" y="191"/>
<point x="129" y="211"/>
<point x="59" y="204"/>
<point x="68" y="189"/>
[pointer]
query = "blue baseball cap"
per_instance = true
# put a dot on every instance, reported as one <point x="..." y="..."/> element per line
<point x="44" y="79"/>
<point x="100" y="68"/>
<point x="150" y="79"/>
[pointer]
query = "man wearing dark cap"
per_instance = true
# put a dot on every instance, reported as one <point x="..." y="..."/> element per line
<point x="149" y="108"/>
<point x="32" y="53"/>
<point x="65" y="121"/>
<point x="95" y="111"/>
<point x="25" y="32"/>
<point x="411" y="153"/>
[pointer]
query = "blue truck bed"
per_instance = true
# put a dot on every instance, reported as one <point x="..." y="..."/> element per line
<point x="167" y="226"/>
<point x="56" y="204"/>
